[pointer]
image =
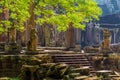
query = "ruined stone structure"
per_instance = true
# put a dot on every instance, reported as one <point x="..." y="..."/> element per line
<point x="105" y="45"/>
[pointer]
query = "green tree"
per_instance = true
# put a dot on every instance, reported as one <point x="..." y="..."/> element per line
<point x="67" y="14"/>
<point x="62" y="13"/>
<point x="76" y="12"/>
<point x="17" y="13"/>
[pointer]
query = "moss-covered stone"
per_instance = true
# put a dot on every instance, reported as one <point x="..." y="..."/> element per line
<point x="2" y="46"/>
<point x="46" y="58"/>
<point x="10" y="65"/>
<point x="4" y="78"/>
<point x="28" y="72"/>
<point x="32" y="52"/>
<point x="13" y="48"/>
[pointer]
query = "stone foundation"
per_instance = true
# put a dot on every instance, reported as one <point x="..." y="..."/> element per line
<point x="10" y="65"/>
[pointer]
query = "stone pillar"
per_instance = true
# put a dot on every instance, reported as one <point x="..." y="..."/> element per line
<point x="105" y="46"/>
<point x="60" y="39"/>
<point x="47" y="35"/>
<point x="78" y="36"/>
<point x="52" y="36"/>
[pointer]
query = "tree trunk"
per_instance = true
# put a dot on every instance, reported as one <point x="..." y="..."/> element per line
<point x="23" y="38"/>
<point x="32" y="15"/>
<point x="32" y="43"/>
<point x="70" y="36"/>
<point x="4" y="15"/>
<point x="0" y="22"/>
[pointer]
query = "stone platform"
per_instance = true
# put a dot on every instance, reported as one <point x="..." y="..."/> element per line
<point x="10" y="65"/>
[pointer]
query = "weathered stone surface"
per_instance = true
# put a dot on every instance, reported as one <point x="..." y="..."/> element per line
<point x="81" y="77"/>
<point x="32" y="52"/>
<point x="13" y="47"/>
<point x="60" y="39"/>
<point x="53" y="48"/>
<point x="45" y="58"/>
<point x="10" y="65"/>
<point x="28" y="72"/>
<point x="47" y="35"/>
<point x="91" y="49"/>
<point x="104" y="74"/>
<point x="115" y="48"/>
<point x="4" y="78"/>
<point x="105" y="45"/>
<point x="50" y="71"/>
<point x="77" y="48"/>
<point x="2" y="46"/>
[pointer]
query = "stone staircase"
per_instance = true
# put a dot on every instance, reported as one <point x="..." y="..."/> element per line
<point x="75" y="60"/>
<point x="79" y="61"/>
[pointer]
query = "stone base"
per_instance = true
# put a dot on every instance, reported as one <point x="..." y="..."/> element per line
<point x="77" y="48"/>
<point x="2" y="46"/>
<point x="91" y="49"/>
<point x="30" y="70"/>
<point x="106" y="52"/>
<point x="32" y="52"/>
<point x="4" y="78"/>
<point x="13" y="48"/>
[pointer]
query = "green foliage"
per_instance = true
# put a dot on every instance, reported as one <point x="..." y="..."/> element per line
<point x="18" y="14"/>
<point x="56" y="12"/>
<point x="77" y="12"/>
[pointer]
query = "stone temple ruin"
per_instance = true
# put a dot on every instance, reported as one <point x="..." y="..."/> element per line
<point x="56" y="63"/>
<point x="105" y="45"/>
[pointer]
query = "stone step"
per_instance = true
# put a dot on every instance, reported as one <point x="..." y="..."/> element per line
<point x="67" y="59"/>
<point x="83" y="67"/>
<point x="52" y="48"/>
<point x="78" y="65"/>
<point x="81" y="77"/>
<point x="73" y="62"/>
<point x="92" y="78"/>
<point x="69" y="56"/>
<point x="74" y="74"/>
<point x="93" y="71"/>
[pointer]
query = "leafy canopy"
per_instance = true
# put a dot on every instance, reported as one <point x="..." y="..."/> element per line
<point x="56" y="12"/>
<point x="18" y="14"/>
<point x="63" y="12"/>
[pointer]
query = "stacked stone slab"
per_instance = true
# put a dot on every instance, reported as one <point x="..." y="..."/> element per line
<point x="72" y="59"/>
